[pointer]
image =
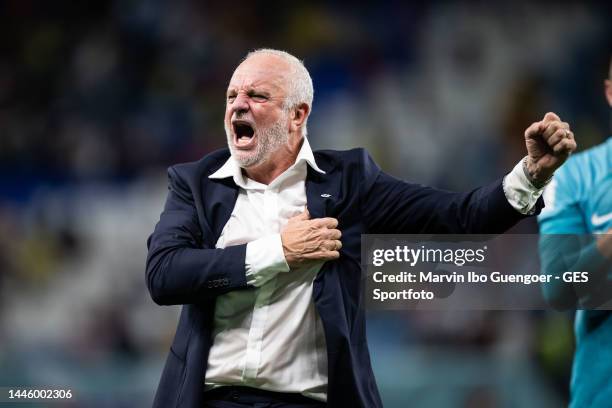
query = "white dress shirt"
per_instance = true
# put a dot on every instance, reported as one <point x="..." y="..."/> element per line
<point x="271" y="337"/>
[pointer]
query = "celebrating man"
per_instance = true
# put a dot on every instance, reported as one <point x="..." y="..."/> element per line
<point x="261" y="243"/>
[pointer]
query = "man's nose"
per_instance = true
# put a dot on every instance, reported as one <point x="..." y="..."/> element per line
<point x="240" y="104"/>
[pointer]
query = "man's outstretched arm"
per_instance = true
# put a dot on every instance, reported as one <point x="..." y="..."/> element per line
<point x="390" y="205"/>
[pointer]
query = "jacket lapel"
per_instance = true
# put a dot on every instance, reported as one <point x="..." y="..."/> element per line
<point x="322" y="190"/>
<point x="221" y="199"/>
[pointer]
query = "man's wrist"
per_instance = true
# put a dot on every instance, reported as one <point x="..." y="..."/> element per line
<point x="264" y="259"/>
<point x="532" y="175"/>
<point x="519" y="191"/>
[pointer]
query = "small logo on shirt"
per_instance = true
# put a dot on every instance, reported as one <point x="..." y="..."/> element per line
<point x="325" y="195"/>
<point x="597" y="220"/>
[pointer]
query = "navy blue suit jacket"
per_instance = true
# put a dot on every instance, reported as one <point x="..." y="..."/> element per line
<point x="183" y="266"/>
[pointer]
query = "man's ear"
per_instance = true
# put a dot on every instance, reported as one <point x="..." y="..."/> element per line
<point x="608" y="86"/>
<point x="298" y="116"/>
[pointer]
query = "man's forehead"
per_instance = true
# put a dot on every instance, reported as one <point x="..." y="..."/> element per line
<point x="261" y="70"/>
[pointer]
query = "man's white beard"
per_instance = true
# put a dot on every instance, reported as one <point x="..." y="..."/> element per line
<point x="269" y="140"/>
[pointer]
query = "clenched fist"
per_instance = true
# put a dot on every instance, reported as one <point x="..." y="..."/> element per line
<point x="308" y="240"/>
<point x="549" y="143"/>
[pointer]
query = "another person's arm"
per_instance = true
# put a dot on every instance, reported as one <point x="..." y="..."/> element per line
<point x="566" y="245"/>
<point x="560" y="253"/>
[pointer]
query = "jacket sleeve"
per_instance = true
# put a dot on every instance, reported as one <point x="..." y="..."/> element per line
<point x="394" y="206"/>
<point x="180" y="269"/>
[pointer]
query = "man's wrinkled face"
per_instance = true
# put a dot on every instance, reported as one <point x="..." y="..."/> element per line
<point x="256" y="121"/>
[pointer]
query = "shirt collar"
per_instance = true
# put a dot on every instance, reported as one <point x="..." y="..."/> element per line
<point x="231" y="168"/>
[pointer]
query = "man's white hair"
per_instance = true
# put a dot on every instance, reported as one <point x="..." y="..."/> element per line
<point x="300" y="83"/>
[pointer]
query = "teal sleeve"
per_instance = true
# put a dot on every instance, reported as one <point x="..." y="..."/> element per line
<point x="566" y="245"/>
<point x="561" y="253"/>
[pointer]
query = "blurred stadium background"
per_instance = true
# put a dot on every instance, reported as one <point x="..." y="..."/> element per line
<point x="98" y="98"/>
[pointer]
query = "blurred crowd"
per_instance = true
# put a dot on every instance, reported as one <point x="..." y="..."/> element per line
<point x="97" y="99"/>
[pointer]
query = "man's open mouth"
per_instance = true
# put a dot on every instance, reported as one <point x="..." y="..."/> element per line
<point x="243" y="133"/>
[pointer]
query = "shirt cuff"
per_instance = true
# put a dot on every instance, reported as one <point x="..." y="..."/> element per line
<point x="521" y="194"/>
<point x="264" y="259"/>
